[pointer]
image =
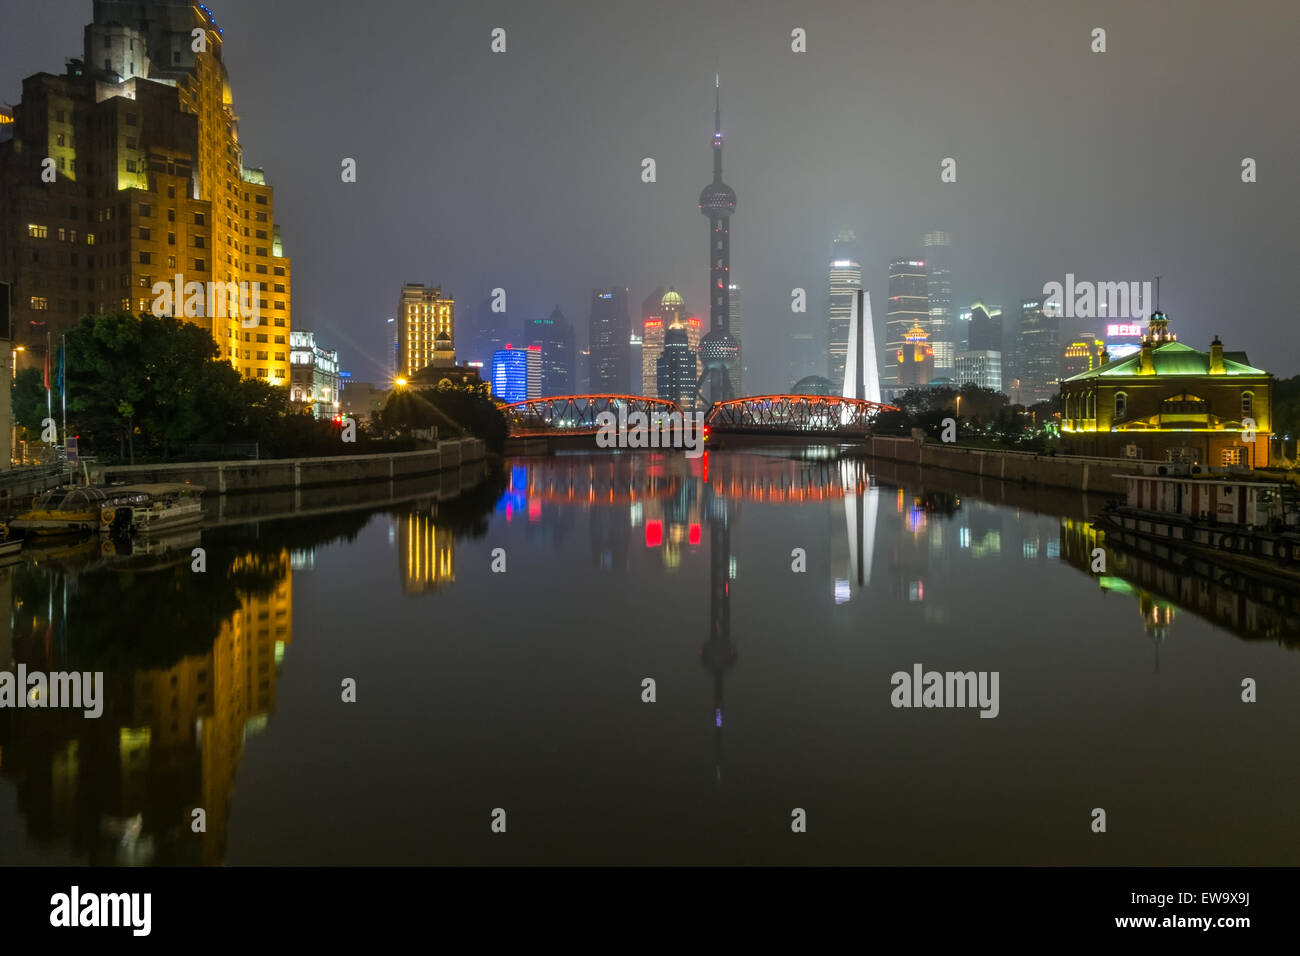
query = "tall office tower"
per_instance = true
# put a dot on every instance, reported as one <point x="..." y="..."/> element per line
<point x="510" y="374"/>
<point x="150" y="185"/>
<point x="938" y="264"/>
<point x="652" y="346"/>
<point x="980" y="363"/>
<point x="909" y="305"/>
<point x="425" y="322"/>
<point x="861" y="373"/>
<point x="584" y="371"/>
<point x="961" y="341"/>
<point x="554" y="336"/>
<point x="985" y="332"/>
<point x="675" y="368"/>
<point x="533" y="364"/>
<point x="1040" y="344"/>
<point x="611" y="333"/>
<point x="733" y="327"/>
<point x="845" y="281"/>
<point x="719" y="352"/>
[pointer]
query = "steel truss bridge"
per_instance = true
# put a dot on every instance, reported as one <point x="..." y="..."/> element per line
<point x="810" y="416"/>
<point x="561" y="415"/>
<point x="796" y="415"/>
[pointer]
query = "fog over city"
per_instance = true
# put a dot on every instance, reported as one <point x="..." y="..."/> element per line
<point x="522" y="170"/>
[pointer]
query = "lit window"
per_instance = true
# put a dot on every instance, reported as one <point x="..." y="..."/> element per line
<point x="1247" y="404"/>
<point x="38" y="232"/>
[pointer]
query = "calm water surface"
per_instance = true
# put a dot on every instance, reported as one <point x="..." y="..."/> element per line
<point x="522" y="690"/>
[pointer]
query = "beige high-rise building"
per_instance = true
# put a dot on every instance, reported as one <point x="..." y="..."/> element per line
<point x="426" y="328"/>
<point x="149" y="184"/>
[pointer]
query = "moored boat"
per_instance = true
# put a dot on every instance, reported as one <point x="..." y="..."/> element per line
<point x="1238" y="515"/>
<point x="68" y="510"/>
<point x="149" y="508"/>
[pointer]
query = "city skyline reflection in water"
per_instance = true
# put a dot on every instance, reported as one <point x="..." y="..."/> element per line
<point x="769" y="596"/>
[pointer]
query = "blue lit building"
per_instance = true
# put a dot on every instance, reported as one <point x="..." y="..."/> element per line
<point x="510" y="374"/>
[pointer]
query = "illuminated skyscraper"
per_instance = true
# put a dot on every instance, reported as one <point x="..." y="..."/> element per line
<point x="719" y="352"/>
<point x="845" y="281"/>
<point x="553" y="335"/>
<point x="938" y="263"/>
<point x="733" y="328"/>
<point x="610" y="338"/>
<point x="425" y="325"/>
<point x="909" y="305"/>
<point x="510" y="374"/>
<point x="151" y="184"/>
<point x="675" y="368"/>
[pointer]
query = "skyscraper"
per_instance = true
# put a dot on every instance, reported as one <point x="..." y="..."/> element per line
<point x="909" y="305"/>
<point x="733" y="328"/>
<point x="845" y="281"/>
<point x="510" y="374"/>
<point x="675" y="368"/>
<point x="718" y="350"/>
<point x="1040" y="346"/>
<point x="938" y="264"/>
<point x="980" y="363"/>
<point x="150" y="184"/>
<point x="553" y="335"/>
<point x="425" y="323"/>
<point x="611" y="333"/>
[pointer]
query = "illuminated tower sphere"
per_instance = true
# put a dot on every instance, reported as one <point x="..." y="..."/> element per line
<point x="719" y="352"/>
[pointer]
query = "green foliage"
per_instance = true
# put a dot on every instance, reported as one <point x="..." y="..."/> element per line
<point x="27" y="393"/>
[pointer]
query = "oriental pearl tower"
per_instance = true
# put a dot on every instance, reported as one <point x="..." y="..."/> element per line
<point x="719" y="352"/>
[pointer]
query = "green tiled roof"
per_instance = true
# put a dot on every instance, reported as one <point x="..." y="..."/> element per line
<point x="1172" y="358"/>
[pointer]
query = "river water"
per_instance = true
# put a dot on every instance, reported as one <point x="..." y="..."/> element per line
<point x="501" y="645"/>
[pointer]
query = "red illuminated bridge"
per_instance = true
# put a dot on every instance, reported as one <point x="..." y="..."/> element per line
<point x="802" y="416"/>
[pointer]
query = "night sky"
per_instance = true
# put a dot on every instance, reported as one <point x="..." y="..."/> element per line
<point x="522" y="170"/>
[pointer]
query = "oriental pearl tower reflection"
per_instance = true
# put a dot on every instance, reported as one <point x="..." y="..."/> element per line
<point x="718" y="653"/>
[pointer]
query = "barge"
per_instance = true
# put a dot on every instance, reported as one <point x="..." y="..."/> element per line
<point x="1234" y="514"/>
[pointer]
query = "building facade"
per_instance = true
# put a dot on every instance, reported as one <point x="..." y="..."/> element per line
<point x="915" y="359"/>
<point x="845" y="281"/>
<point x="909" y="305"/>
<point x="426" y="323"/>
<point x="610" y="334"/>
<point x="313" y="375"/>
<point x="676" y="368"/>
<point x="938" y="264"/>
<point x="1171" y="402"/>
<point x="510" y="374"/>
<point x="1039" y="345"/>
<point x="149" y="186"/>
<point x="553" y="335"/>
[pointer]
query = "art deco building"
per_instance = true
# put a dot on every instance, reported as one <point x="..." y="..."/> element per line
<point x="149" y="183"/>
<point x="425" y="328"/>
<point x="1171" y="402"/>
<point x="1082" y="355"/>
<point x="313" y="375"/>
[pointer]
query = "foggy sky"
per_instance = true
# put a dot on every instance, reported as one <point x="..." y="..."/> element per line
<point x="522" y="170"/>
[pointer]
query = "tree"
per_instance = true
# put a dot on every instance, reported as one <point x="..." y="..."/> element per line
<point x="27" y="393"/>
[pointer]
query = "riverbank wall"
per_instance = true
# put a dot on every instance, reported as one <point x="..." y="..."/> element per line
<point x="273" y="474"/>
<point x="1095" y="475"/>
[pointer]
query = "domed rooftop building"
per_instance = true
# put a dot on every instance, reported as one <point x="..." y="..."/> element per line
<point x="813" y="385"/>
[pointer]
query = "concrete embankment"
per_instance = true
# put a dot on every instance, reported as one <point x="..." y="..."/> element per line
<point x="1060" y="471"/>
<point x="234" y="477"/>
